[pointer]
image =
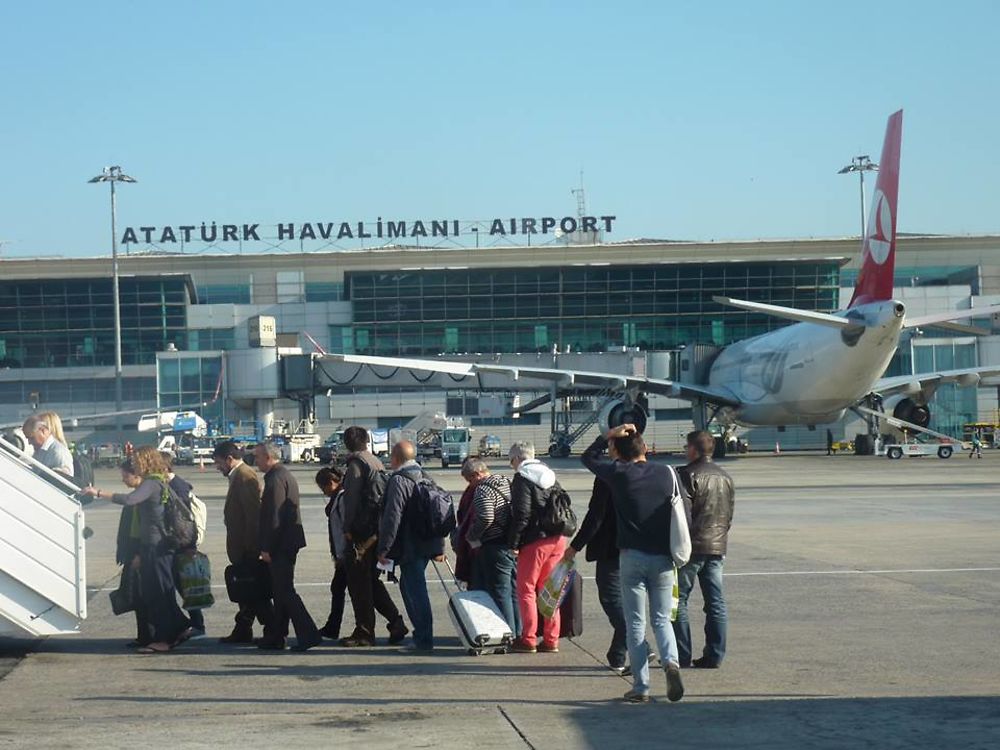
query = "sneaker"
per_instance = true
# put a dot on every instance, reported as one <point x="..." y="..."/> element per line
<point x="548" y="648"/>
<point x="618" y="668"/>
<point x="634" y="696"/>
<point x="627" y="670"/>
<point x="397" y="631"/>
<point x="198" y="635"/>
<point x="675" y="688"/>
<point x="520" y="647"/>
<point x="703" y="663"/>
<point x="330" y="633"/>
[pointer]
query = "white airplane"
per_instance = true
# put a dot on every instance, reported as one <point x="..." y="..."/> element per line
<point x="808" y="373"/>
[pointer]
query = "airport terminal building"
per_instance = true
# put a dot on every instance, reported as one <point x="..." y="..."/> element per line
<point x="182" y="312"/>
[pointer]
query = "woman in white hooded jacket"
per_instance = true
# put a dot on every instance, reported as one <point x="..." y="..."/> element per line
<point x="537" y="551"/>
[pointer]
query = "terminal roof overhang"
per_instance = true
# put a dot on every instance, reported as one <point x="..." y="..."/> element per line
<point x="335" y="265"/>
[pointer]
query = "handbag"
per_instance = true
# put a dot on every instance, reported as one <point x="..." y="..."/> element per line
<point x="126" y="597"/>
<point x="194" y="579"/>
<point x="680" y="534"/>
<point x="555" y="588"/>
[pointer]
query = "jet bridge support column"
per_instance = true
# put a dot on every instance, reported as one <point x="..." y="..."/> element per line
<point x="699" y="414"/>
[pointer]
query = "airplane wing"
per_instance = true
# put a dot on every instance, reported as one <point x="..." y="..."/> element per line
<point x="928" y="382"/>
<point x="952" y="315"/>
<point x="790" y="313"/>
<point x="564" y="378"/>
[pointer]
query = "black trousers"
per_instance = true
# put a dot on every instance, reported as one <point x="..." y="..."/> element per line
<point x="368" y="594"/>
<point x="338" y="597"/>
<point x="260" y="608"/>
<point x="287" y="603"/>
<point x="609" y="592"/>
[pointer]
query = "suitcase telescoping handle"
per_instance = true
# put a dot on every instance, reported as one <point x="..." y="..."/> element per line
<point x="451" y="570"/>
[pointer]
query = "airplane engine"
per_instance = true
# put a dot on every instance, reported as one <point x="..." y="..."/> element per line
<point x="905" y="408"/>
<point x="622" y="411"/>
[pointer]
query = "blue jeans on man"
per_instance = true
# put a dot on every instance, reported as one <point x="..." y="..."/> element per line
<point x="708" y="570"/>
<point x="644" y="575"/>
<point x="413" y="588"/>
<point x="494" y="571"/>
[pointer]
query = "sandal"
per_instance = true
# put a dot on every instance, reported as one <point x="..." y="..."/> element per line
<point x="155" y="648"/>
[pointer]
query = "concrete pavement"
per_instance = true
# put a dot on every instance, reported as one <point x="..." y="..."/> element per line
<point x="863" y="597"/>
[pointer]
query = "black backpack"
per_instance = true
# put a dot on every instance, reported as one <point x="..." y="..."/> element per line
<point x="179" y="528"/>
<point x="83" y="470"/>
<point x="557" y="517"/>
<point x="369" y="512"/>
<point x="432" y="511"/>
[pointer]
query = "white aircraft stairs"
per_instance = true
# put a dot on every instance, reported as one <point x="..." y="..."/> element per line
<point x="43" y="586"/>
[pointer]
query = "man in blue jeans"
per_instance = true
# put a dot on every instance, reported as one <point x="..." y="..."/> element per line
<point x="712" y="499"/>
<point x="398" y="540"/>
<point x="640" y="493"/>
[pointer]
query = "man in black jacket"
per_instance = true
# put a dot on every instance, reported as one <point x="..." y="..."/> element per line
<point x="399" y="541"/>
<point x="597" y="533"/>
<point x="281" y="538"/>
<point x="360" y="503"/>
<point x="712" y="498"/>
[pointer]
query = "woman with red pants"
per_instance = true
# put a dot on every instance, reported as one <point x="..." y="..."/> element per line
<point x="538" y="552"/>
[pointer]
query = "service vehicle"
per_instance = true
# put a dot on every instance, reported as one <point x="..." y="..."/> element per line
<point x="915" y="448"/>
<point x="455" y="445"/>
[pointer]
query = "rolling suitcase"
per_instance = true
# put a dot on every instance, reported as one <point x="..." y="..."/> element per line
<point x="477" y="619"/>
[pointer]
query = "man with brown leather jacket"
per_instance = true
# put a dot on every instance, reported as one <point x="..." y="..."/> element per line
<point x="712" y="497"/>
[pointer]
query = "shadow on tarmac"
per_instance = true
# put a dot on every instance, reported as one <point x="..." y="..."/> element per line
<point x="924" y="722"/>
<point x="774" y="722"/>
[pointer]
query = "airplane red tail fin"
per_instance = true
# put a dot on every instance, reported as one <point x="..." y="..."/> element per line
<point x="878" y="249"/>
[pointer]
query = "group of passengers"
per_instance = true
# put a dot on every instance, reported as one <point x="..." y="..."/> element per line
<point x="501" y="544"/>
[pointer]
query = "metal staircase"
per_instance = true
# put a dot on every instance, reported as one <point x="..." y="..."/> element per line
<point x="43" y="586"/>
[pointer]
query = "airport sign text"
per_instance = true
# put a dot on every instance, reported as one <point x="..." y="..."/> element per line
<point x="213" y="232"/>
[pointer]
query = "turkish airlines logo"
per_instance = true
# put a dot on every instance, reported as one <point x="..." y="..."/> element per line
<point x="879" y="239"/>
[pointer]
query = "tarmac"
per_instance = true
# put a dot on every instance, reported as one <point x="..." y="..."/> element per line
<point x="863" y="598"/>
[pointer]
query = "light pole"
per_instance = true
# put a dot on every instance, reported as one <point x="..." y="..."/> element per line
<point x="113" y="175"/>
<point x="861" y="164"/>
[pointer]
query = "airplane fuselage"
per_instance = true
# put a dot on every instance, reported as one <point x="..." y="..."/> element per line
<point x="807" y="373"/>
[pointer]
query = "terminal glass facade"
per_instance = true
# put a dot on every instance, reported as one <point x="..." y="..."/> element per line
<point x="585" y="308"/>
<point x="70" y="322"/>
<point x="189" y="381"/>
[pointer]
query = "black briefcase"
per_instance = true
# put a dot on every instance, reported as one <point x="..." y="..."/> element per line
<point x="248" y="582"/>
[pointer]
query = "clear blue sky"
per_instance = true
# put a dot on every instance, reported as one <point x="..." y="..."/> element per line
<point x="690" y="120"/>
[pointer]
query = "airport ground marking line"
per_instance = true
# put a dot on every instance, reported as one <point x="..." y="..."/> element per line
<point x="859" y="572"/>
<point x="761" y="574"/>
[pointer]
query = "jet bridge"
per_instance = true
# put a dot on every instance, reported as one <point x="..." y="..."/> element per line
<point x="43" y="586"/>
